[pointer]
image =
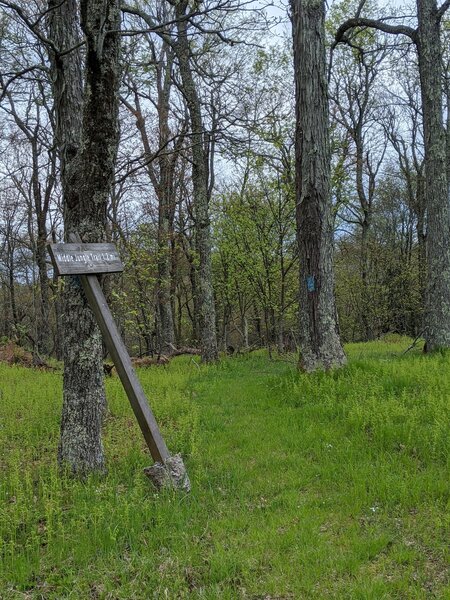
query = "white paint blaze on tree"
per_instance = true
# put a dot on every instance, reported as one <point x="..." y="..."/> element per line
<point x="320" y="345"/>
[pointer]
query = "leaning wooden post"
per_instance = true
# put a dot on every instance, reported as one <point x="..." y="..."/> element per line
<point x="86" y="261"/>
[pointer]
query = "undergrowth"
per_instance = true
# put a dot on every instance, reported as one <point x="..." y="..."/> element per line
<point x="303" y="486"/>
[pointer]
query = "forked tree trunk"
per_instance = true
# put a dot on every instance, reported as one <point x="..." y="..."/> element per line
<point x="87" y="137"/>
<point x="163" y="182"/>
<point x="320" y="345"/>
<point x="205" y="295"/>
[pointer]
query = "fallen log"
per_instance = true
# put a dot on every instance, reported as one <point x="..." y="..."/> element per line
<point x="147" y="361"/>
<point x="183" y="350"/>
<point x="164" y="359"/>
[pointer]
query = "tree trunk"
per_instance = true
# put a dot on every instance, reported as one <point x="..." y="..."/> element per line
<point x="447" y="126"/>
<point x="245" y="331"/>
<point x="368" y="333"/>
<point x="195" y="313"/>
<point x="40" y="210"/>
<point x="6" y="321"/>
<point x="38" y="206"/>
<point x="320" y="345"/>
<point x="167" y="332"/>
<point x="163" y="183"/>
<point x="165" y="213"/>
<point x="421" y="237"/>
<point x="43" y="337"/>
<point x="205" y="295"/>
<point x="58" y="334"/>
<point x="12" y="287"/>
<point x="437" y="307"/>
<point x="87" y="137"/>
<point x="366" y="207"/>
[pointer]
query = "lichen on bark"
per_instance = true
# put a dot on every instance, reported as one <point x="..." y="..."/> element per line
<point x="87" y="137"/>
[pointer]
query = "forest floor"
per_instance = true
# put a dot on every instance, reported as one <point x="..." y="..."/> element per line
<point x="303" y="486"/>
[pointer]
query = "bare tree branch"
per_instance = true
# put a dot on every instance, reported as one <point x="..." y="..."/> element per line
<point x="31" y="26"/>
<point x="375" y="24"/>
<point x="5" y="85"/>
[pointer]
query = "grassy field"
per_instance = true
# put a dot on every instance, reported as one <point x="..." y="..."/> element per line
<point x="324" y="486"/>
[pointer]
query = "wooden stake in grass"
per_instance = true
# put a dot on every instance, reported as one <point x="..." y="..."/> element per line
<point x="87" y="261"/>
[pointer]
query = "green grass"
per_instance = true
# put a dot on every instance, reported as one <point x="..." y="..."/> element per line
<point x="304" y="486"/>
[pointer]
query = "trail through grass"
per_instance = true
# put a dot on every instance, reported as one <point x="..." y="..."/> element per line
<point x="323" y="486"/>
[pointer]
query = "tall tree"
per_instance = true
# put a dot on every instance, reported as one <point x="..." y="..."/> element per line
<point x="161" y="165"/>
<point x="87" y="136"/>
<point x="426" y="38"/>
<point x="204" y="288"/>
<point x="411" y="166"/>
<point x="354" y="77"/>
<point x="320" y="344"/>
<point x="207" y="312"/>
<point x="38" y="195"/>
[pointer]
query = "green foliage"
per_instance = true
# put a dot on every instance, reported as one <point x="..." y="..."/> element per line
<point x="323" y="486"/>
<point x="255" y="262"/>
<point x="390" y="301"/>
<point x="346" y="9"/>
<point x="132" y="296"/>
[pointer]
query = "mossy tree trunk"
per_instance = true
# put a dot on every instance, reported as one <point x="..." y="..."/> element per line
<point x="87" y="137"/>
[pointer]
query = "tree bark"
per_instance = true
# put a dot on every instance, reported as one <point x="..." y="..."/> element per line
<point x="205" y="295"/>
<point x="162" y="179"/>
<point x="12" y="288"/>
<point x="437" y="307"/>
<point x="364" y="267"/>
<point x="166" y="208"/>
<point x="427" y="40"/>
<point x="38" y="207"/>
<point x="41" y="208"/>
<point x="320" y="345"/>
<point x="87" y="136"/>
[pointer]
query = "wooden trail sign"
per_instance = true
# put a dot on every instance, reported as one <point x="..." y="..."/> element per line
<point x="86" y="261"/>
